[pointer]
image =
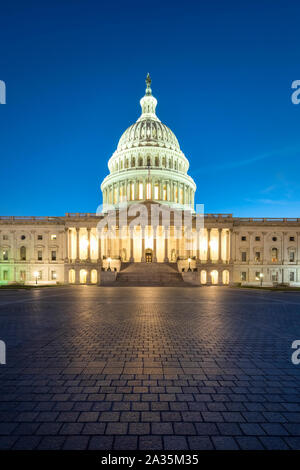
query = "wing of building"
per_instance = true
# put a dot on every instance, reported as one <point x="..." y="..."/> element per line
<point x="148" y="230"/>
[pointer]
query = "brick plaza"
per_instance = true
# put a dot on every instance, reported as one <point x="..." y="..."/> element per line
<point x="149" y="368"/>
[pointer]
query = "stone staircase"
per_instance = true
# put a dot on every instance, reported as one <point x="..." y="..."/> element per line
<point x="149" y="274"/>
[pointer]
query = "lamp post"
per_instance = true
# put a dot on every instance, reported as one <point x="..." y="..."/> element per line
<point x="36" y="275"/>
<point x="261" y="279"/>
<point x="109" y="261"/>
<point x="189" y="261"/>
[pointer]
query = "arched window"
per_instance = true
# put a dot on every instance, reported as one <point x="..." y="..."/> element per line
<point x="72" y="276"/>
<point x="133" y="162"/>
<point x="274" y="255"/>
<point x="126" y="163"/>
<point x="156" y="161"/>
<point x="140" y="161"/>
<point x="148" y="161"/>
<point x="23" y="253"/>
<point x="164" y="161"/>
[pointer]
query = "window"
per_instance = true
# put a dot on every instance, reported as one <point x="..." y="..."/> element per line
<point x="53" y="237"/>
<point x="5" y="255"/>
<point x="243" y="276"/>
<point x="5" y="237"/>
<point x="274" y="239"/>
<point x="53" y="275"/>
<point x="274" y="255"/>
<point x="243" y="238"/>
<point x="53" y="255"/>
<point x="156" y="161"/>
<point x="292" y="239"/>
<point x="148" y="161"/>
<point x="40" y="255"/>
<point x="23" y="237"/>
<point x="5" y="275"/>
<point x="40" y="237"/>
<point x="40" y="276"/>
<point x="257" y="239"/>
<point x="292" y="256"/>
<point x="274" y="277"/>
<point x="156" y="191"/>
<point x="23" y="253"/>
<point x="141" y="191"/>
<point x="292" y="276"/>
<point x="257" y="256"/>
<point x="257" y="276"/>
<point x="23" y="275"/>
<point x="244" y="256"/>
<point x="148" y="191"/>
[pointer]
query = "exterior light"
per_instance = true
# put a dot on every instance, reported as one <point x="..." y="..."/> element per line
<point x="36" y="275"/>
<point x="189" y="261"/>
<point x="261" y="278"/>
<point x="109" y="261"/>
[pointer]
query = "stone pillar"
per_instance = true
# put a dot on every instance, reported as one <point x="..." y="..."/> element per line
<point x="89" y="244"/>
<point x="208" y="245"/>
<point x="197" y="245"/>
<point x="154" y="244"/>
<point x="99" y="247"/>
<point x="208" y="277"/>
<point x="70" y="245"/>
<point x="298" y="251"/>
<point x="230" y="235"/>
<point x="228" y="245"/>
<point x="220" y="246"/>
<point x="143" y="244"/>
<point x="178" y="233"/>
<point x="131" y="259"/>
<point x="66" y="248"/>
<point x="77" y="244"/>
<point x="166" y="259"/>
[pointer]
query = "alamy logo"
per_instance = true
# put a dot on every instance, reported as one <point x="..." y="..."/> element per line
<point x="2" y="352"/>
<point x="295" y="95"/>
<point x="296" y="354"/>
<point x="2" y="92"/>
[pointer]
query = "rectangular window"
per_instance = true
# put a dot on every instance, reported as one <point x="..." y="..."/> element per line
<point x="141" y="191"/>
<point x="257" y="256"/>
<point x="292" y="239"/>
<point x="23" y="275"/>
<point x="53" y="237"/>
<point x="5" y="237"/>
<point x="257" y="239"/>
<point x="53" y="275"/>
<point x="5" y="255"/>
<point x="274" y="277"/>
<point x="40" y="255"/>
<point x="53" y="255"/>
<point x="292" y="276"/>
<point x="243" y="238"/>
<point x="292" y="256"/>
<point x="244" y="256"/>
<point x="40" y="237"/>
<point x="257" y="276"/>
<point x="5" y="275"/>
<point x="243" y="276"/>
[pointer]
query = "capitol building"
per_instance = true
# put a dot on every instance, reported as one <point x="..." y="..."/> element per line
<point x="148" y="230"/>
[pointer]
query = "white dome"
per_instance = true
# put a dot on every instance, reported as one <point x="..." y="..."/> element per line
<point x="148" y="132"/>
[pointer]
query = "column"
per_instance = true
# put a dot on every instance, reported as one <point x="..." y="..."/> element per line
<point x="89" y="244"/>
<point x="131" y="259"/>
<point x="120" y="242"/>
<point x="197" y="245"/>
<point x="227" y="246"/>
<point x="230" y="235"/>
<point x="77" y="244"/>
<point x="166" y="260"/>
<point x="208" y="245"/>
<point x="70" y="245"/>
<point x="99" y="246"/>
<point x="178" y="232"/>
<point x="154" y="244"/>
<point x="143" y="243"/>
<point x="220" y="246"/>
<point x="208" y="277"/>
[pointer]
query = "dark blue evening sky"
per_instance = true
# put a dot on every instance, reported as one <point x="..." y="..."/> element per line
<point x="222" y="74"/>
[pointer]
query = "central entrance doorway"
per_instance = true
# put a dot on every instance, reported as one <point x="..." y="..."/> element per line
<point x="148" y="256"/>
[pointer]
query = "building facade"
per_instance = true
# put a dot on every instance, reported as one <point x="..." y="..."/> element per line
<point x="149" y="170"/>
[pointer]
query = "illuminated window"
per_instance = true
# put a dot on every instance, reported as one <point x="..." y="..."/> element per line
<point x="156" y="161"/>
<point x="274" y="255"/>
<point x="53" y="237"/>
<point x="53" y="275"/>
<point x="148" y="191"/>
<point x="23" y="275"/>
<point x="40" y="255"/>
<point x="5" y="275"/>
<point x="156" y="191"/>
<point x="141" y="191"/>
<point x="5" y="255"/>
<point x="243" y="276"/>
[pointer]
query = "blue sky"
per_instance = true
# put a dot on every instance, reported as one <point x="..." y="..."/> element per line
<point x="222" y="74"/>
